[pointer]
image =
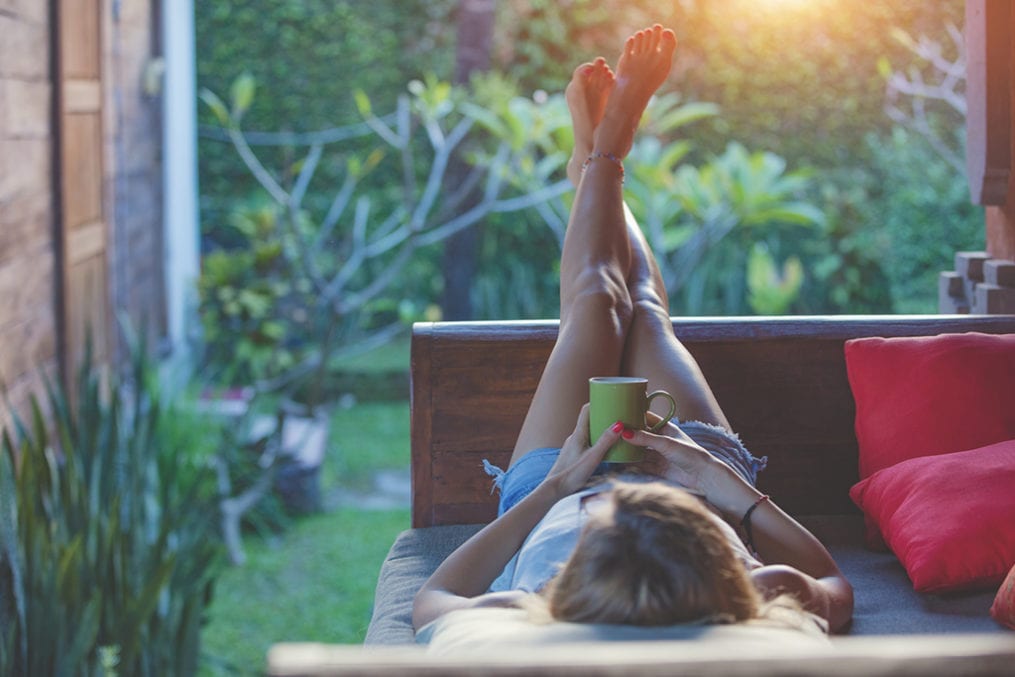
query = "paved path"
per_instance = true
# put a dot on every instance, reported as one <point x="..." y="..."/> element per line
<point x="391" y="491"/>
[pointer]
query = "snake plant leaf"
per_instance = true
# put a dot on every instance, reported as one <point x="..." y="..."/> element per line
<point x="142" y="606"/>
<point x="84" y="634"/>
<point x="92" y="537"/>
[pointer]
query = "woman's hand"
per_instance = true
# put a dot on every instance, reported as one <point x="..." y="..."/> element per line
<point x="674" y="456"/>
<point x="578" y="459"/>
<point x="462" y="579"/>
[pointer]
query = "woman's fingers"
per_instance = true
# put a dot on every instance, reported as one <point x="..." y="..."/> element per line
<point x="581" y="429"/>
<point x="606" y="440"/>
<point x="644" y="438"/>
<point x="675" y="453"/>
<point x="577" y="460"/>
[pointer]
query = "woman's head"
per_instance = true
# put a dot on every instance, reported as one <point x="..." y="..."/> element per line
<point x="652" y="555"/>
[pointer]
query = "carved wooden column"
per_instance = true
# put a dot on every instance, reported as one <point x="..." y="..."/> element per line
<point x="984" y="282"/>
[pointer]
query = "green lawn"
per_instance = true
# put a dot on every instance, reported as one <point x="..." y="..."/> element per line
<point x="315" y="581"/>
<point x="393" y="356"/>
<point x="368" y="437"/>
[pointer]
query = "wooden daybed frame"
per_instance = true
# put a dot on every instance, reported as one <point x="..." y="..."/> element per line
<point x="782" y="384"/>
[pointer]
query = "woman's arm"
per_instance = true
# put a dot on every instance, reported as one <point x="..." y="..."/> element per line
<point x="463" y="578"/>
<point x="798" y="563"/>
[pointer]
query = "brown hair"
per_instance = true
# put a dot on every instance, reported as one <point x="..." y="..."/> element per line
<point x="655" y="557"/>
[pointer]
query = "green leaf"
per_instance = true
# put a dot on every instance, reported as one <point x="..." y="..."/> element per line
<point x="85" y="631"/>
<point x="243" y="94"/>
<point x="486" y="119"/>
<point x="362" y="103"/>
<point x="884" y="67"/>
<point x="685" y="115"/>
<point x="794" y="213"/>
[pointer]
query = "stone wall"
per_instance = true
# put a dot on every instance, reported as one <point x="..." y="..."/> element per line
<point x="28" y="324"/>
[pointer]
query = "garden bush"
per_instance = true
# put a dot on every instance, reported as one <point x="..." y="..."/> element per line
<point x="108" y="550"/>
<point x="805" y="81"/>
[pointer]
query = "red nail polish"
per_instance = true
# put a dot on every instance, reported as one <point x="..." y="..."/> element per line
<point x="627" y="434"/>
<point x="618" y="426"/>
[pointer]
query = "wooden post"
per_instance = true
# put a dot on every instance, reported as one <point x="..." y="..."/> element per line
<point x="982" y="281"/>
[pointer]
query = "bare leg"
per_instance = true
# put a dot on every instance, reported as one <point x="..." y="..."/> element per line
<point x="595" y="303"/>
<point x="586" y="97"/>
<point x="652" y="350"/>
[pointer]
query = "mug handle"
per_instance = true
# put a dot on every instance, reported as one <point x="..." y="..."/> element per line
<point x="665" y="419"/>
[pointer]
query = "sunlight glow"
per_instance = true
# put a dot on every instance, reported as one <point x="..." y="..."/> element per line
<point x="787" y="4"/>
<point x="785" y="10"/>
<point x="784" y="6"/>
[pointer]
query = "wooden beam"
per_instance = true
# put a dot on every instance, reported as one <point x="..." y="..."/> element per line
<point x="989" y="28"/>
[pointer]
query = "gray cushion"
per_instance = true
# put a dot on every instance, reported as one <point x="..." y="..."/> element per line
<point x="415" y="554"/>
<point x="885" y="600"/>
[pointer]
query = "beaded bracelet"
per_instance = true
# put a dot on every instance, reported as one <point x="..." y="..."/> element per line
<point x="607" y="156"/>
<point x="745" y="523"/>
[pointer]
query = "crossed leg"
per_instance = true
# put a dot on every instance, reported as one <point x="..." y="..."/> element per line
<point x="596" y="306"/>
<point x="651" y="349"/>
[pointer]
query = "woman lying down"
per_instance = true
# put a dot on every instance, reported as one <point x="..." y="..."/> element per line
<point x="678" y="545"/>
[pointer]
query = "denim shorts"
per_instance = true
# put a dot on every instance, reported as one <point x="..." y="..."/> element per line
<point x="519" y="480"/>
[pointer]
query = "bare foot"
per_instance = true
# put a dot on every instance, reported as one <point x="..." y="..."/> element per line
<point x="643" y="67"/>
<point x="586" y="97"/>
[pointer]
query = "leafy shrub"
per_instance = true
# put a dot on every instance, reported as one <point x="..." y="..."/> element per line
<point x="107" y="546"/>
<point x="310" y="55"/>
<point x="918" y="214"/>
<point x="801" y="81"/>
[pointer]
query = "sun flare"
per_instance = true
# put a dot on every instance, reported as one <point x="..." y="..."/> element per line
<point x="789" y="10"/>
<point x="784" y="6"/>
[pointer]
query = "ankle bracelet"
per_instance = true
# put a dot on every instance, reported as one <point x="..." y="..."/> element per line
<point x="606" y="156"/>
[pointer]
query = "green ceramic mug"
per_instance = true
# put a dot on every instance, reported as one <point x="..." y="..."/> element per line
<point x="623" y="398"/>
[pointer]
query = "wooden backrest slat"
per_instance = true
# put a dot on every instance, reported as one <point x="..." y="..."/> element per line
<point x="781" y="382"/>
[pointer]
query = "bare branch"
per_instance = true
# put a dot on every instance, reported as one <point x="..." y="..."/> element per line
<point x="377" y="285"/>
<point x="256" y="168"/>
<point x="324" y="136"/>
<point x="306" y="174"/>
<point x="382" y="130"/>
<point x="336" y="210"/>
<point x="387" y="237"/>
<point x="358" y="255"/>
<point x="948" y="89"/>
<point x="442" y="155"/>
<point x="404" y="115"/>
<point x="378" y="338"/>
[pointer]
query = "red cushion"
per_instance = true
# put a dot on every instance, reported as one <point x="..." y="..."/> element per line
<point x="949" y="518"/>
<point x="917" y="396"/>
<point x="1003" y="608"/>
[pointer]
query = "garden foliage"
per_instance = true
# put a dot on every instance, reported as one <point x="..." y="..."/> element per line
<point x="800" y="84"/>
<point x="108" y="550"/>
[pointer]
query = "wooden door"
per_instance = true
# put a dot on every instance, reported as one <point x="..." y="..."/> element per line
<point x="82" y="229"/>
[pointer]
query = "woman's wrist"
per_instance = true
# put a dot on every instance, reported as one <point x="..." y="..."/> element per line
<point x="549" y="491"/>
<point x="728" y="491"/>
